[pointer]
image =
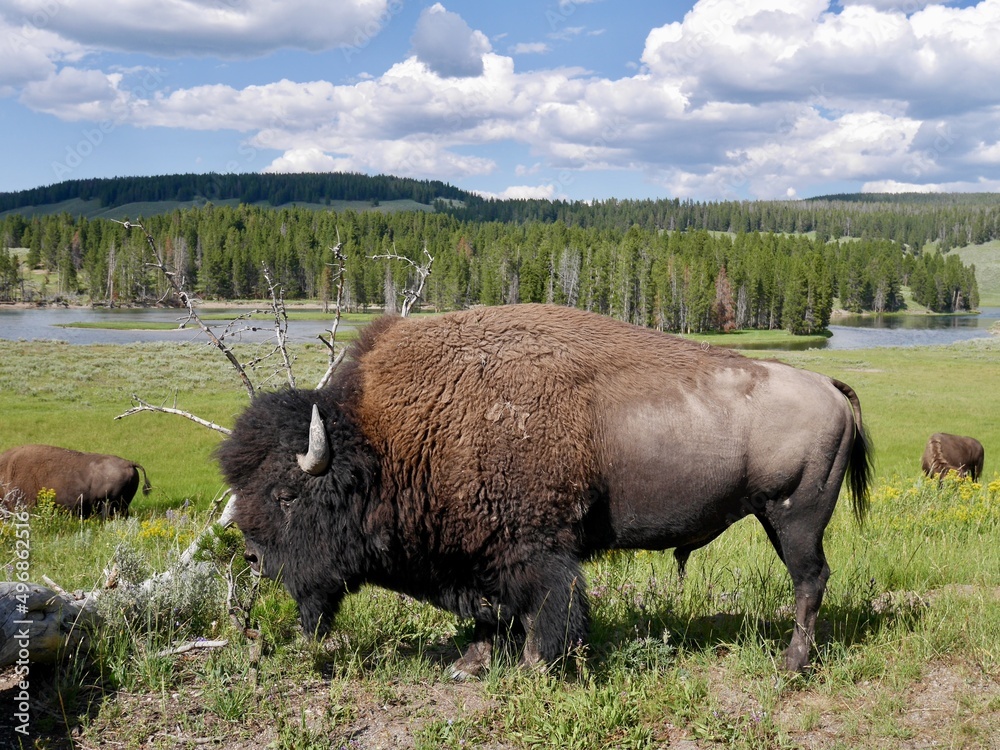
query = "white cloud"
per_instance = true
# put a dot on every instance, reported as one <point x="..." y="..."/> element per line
<point x="174" y="28"/>
<point x="761" y="50"/>
<point x="77" y="95"/>
<point x="522" y="170"/>
<point x="29" y="53"/>
<point x="897" y="6"/>
<point x="446" y="44"/>
<point x="757" y="98"/>
<point x="530" y="48"/>
<point x="523" y="192"/>
<point x="986" y="153"/>
<point x="982" y="185"/>
<point x="305" y="160"/>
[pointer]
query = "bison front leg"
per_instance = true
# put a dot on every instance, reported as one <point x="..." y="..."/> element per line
<point x="558" y="616"/>
<point x="478" y="655"/>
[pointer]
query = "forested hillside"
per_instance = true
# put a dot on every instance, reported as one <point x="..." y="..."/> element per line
<point x="950" y="219"/>
<point x="691" y="281"/>
<point x="914" y="219"/>
<point x="273" y="189"/>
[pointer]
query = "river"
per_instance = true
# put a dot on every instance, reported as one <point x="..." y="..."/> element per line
<point x="49" y="323"/>
<point x="852" y="332"/>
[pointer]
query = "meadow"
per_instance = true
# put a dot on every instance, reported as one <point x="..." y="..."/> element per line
<point x="907" y="652"/>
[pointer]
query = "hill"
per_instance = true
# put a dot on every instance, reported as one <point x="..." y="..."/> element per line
<point x="986" y="258"/>
<point x="128" y="197"/>
<point x="942" y="220"/>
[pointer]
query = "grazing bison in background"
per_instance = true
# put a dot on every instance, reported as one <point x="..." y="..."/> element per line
<point x="84" y="483"/>
<point x="474" y="459"/>
<point x="945" y="452"/>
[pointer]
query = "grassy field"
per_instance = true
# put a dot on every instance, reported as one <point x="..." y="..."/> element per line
<point x="987" y="261"/>
<point x="907" y="652"/>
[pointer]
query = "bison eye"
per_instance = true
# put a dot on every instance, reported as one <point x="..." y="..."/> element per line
<point x="285" y="499"/>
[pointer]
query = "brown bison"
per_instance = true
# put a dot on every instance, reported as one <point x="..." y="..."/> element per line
<point x="474" y="459"/>
<point x="84" y="483"/>
<point x="944" y="453"/>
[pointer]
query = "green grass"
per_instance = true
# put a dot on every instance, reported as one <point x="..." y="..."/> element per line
<point x="70" y="396"/>
<point x="908" y="393"/>
<point x="987" y="261"/>
<point x="760" y="339"/>
<point x="906" y="640"/>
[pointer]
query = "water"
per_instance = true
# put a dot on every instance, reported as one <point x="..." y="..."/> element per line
<point x="860" y="332"/>
<point x="48" y="324"/>
<point x="853" y="332"/>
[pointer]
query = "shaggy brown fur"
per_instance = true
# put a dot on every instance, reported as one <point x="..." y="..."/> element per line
<point x="480" y="456"/>
<point x="945" y="452"/>
<point x="84" y="483"/>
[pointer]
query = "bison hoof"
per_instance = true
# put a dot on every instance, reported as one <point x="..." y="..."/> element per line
<point x="473" y="663"/>
<point x="796" y="661"/>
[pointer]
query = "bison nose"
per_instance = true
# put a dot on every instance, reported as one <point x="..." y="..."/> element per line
<point x="252" y="561"/>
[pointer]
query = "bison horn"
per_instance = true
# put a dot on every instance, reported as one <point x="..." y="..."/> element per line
<point x="318" y="458"/>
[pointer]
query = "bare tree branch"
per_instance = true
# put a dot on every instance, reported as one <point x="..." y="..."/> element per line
<point x="140" y="406"/>
<point x="280" y="324"/>
<point x="335" y="358"/>
<point x="410" y="295"/>
<point x="191" y="645"/>
<point x="189" y="302"/>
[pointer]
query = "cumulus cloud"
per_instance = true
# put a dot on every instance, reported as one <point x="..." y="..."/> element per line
<point x="76" y="94"/>
<point x="523" y="192"/>
<point x="757" y="98"/>
<point x="174" y="28"/>
<point x="982" y="185"/>
<point x="445" y="43"/>
<point x="754" y="52"/>
<point x="30" y="53"/>
<point x="298" y="160"/>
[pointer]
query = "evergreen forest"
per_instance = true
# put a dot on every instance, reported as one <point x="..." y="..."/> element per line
<point x="673" y="265"/>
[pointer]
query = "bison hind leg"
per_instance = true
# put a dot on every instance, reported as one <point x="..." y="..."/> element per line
<point x="802" y="548"/>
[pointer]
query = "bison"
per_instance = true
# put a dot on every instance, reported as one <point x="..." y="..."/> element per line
<point x="84" y="483"/>
<point x="945" y="452"/>
<point x="473" y="460"/>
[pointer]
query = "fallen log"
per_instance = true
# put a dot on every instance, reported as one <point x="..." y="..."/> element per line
<point x="41" y="624"/>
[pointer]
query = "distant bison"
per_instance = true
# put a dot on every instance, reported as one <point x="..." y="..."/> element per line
<point x="84" y="483"/>
<point x="474" y="459"/>
<point x="944" y="453"/>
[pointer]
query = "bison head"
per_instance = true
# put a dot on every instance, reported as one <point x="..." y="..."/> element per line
<point x="302" y="475"/>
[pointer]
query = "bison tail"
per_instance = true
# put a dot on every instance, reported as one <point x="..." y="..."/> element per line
<point x="859" y="473"/>
<point x="860" y="464"/>
<point x="146" y="487"/>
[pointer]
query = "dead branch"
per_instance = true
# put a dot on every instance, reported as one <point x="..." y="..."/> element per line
<point x="411" y="295"/>
<point x="280" y="323"/>
<point x="189" y="302"/>
<point x="140" y="405"/>
<point x="335" y="358"/>
<point x="191" y="645"/>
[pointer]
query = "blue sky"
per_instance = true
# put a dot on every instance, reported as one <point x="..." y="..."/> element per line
<point x="582" y="99"/>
